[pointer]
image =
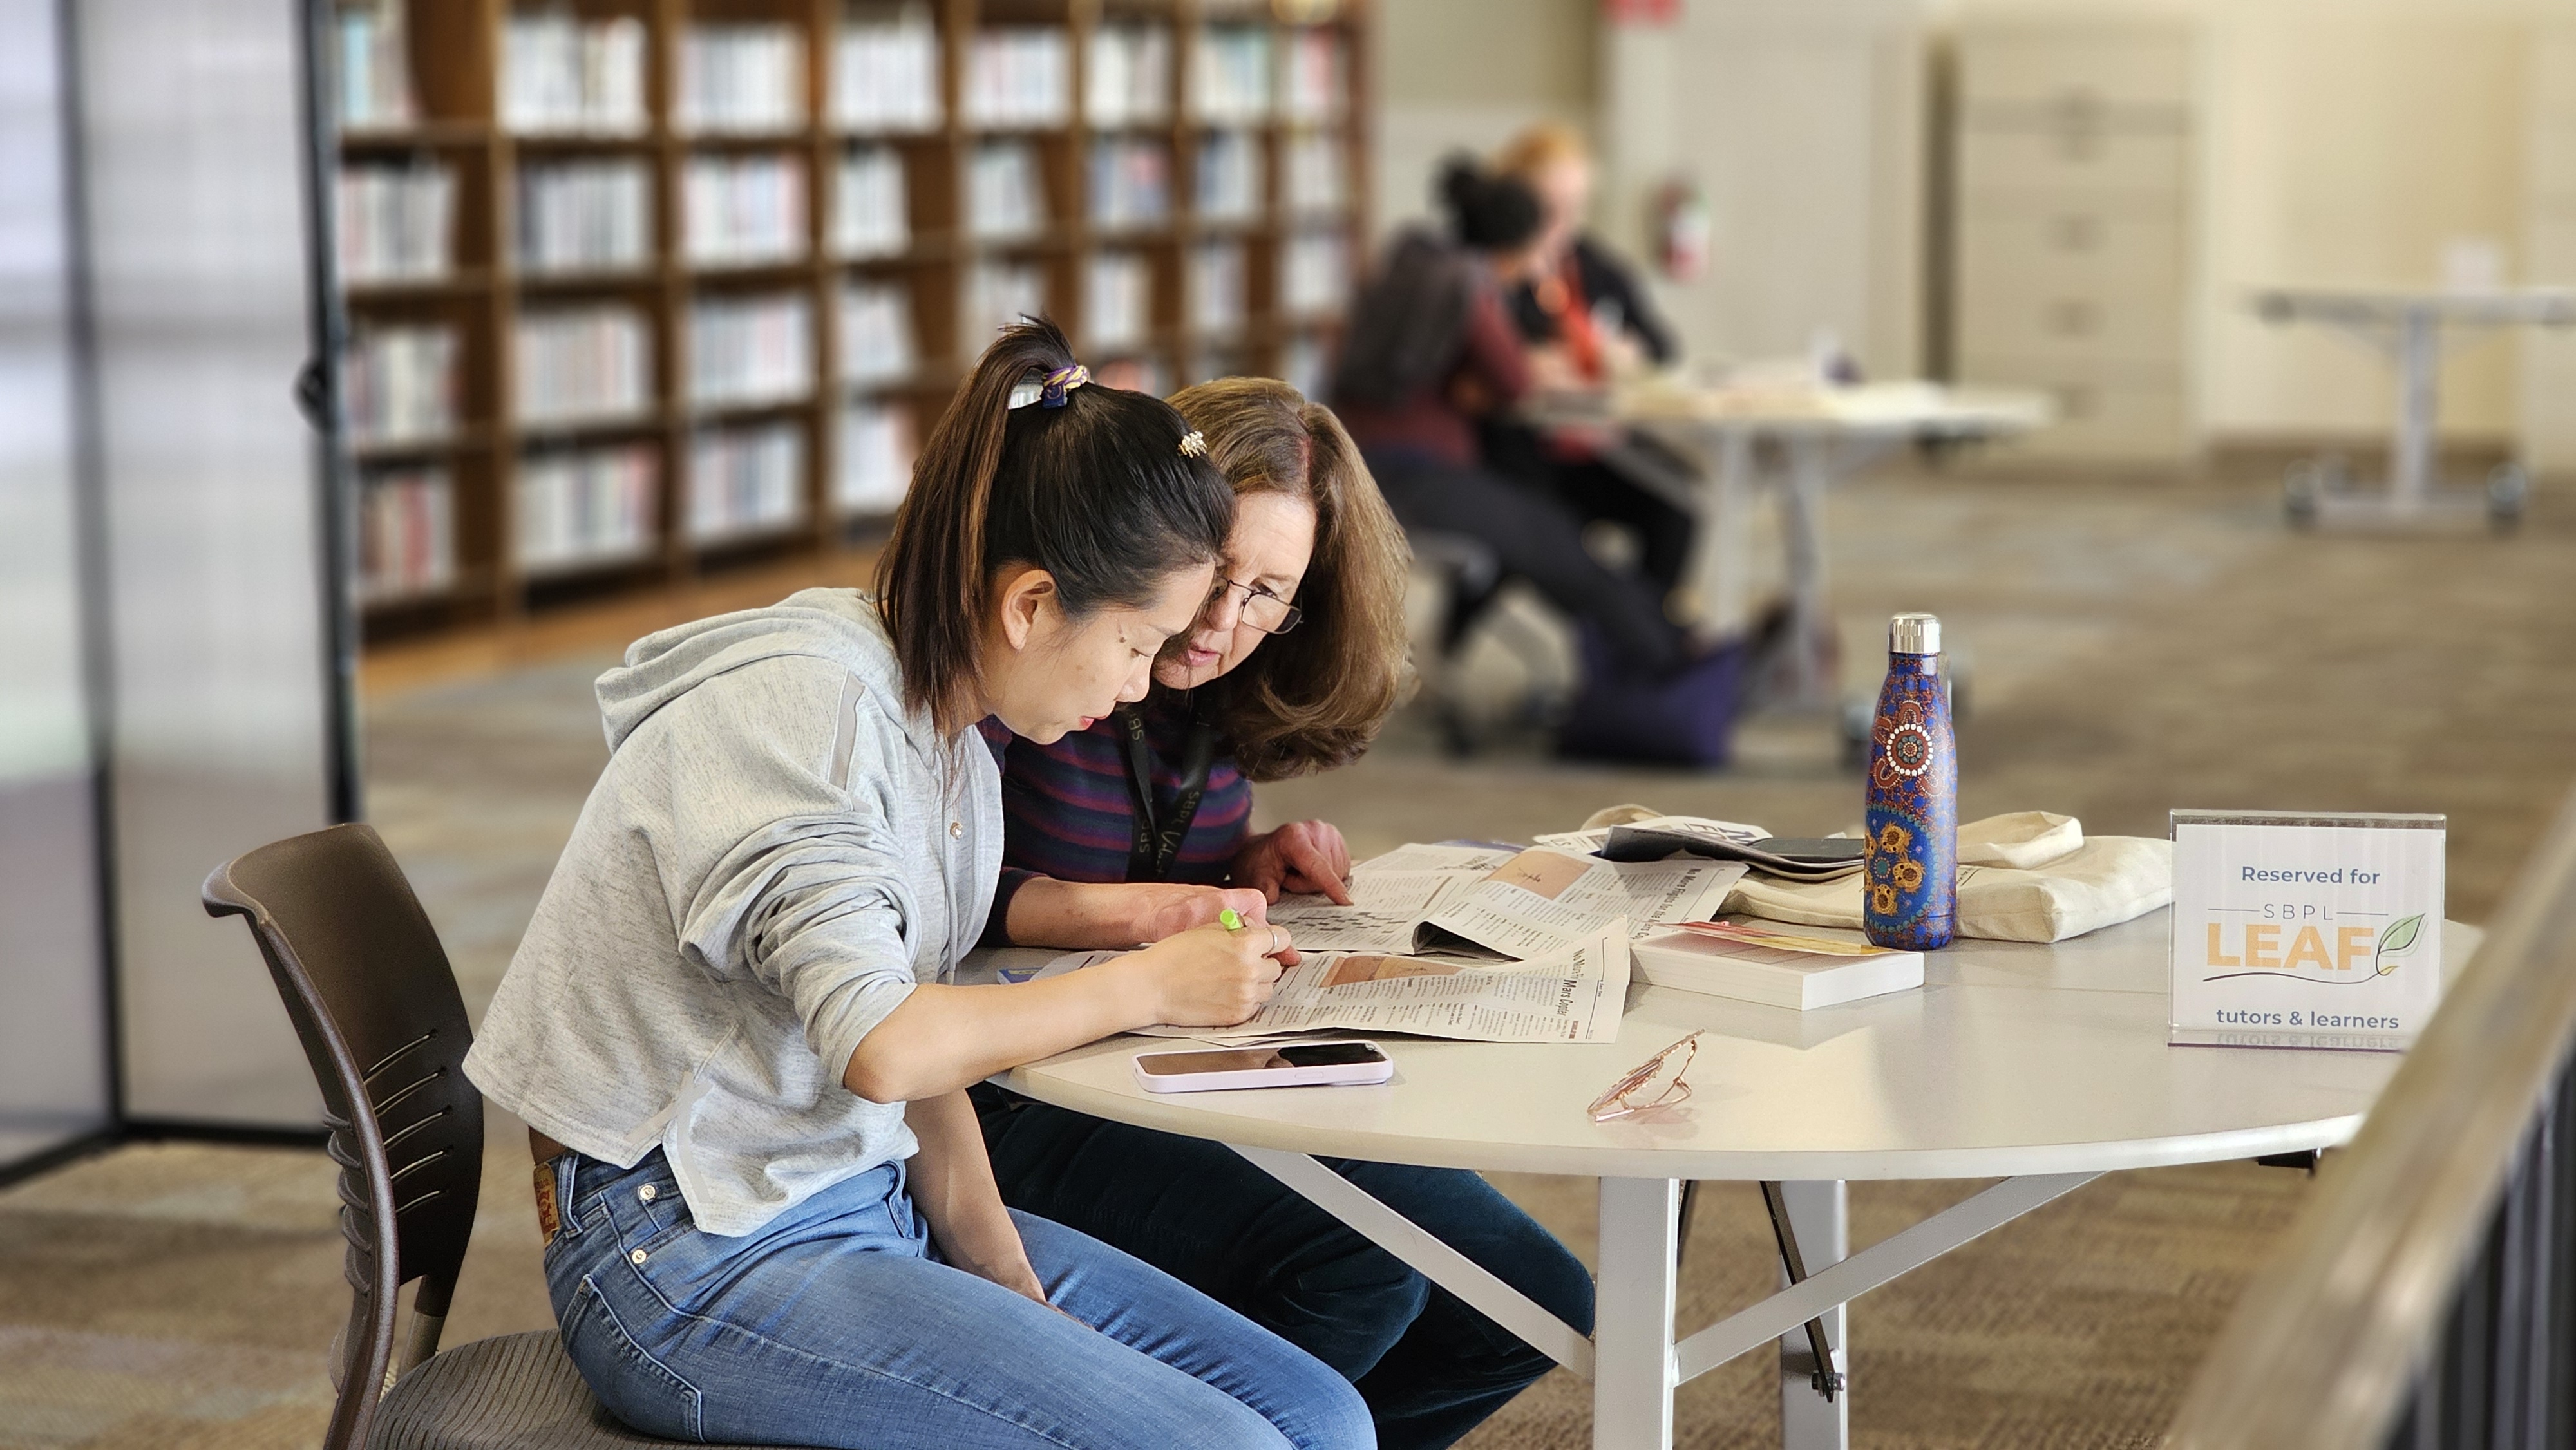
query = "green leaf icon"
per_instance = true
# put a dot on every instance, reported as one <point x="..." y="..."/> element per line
<point x="2397" y="941"/>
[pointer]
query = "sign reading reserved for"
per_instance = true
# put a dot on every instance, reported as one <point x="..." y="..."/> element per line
<point x="2306" y="930"/>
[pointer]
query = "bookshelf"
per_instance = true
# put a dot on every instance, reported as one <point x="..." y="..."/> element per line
<point x="644" y="289"/>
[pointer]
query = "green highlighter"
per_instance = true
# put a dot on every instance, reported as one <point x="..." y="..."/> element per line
<point x="1229" y="920"/>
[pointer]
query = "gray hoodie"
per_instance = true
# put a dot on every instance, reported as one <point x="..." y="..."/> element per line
<point x="777" y="852"/>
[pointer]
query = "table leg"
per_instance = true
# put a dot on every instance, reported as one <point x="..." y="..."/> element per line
<point x="1720" y="548"/>
<point x="2419" y="380"/>
<point x="1809" y="616"/>
<point x="1808" y="1420"/>
<point x="1632" y="1334"/>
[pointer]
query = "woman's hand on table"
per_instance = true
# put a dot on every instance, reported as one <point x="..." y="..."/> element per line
<point x="1117" y="915"/>
<point x="1167" y="909"/>
<point x="1301" y="856"/>
<point x="1211" y="976"/>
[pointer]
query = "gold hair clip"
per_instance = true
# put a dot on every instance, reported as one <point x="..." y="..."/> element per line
<point x="1194" y="444"/>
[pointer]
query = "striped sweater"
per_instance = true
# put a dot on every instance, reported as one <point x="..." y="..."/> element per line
<point x="1068" y="813"/>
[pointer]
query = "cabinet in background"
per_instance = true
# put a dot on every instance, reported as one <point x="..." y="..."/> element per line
<point x="2071" y="167"/>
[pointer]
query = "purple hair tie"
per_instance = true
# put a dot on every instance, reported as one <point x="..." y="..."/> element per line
<point x="1050" y="393"/>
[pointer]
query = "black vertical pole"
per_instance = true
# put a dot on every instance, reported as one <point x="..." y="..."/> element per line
<point x="90" y="516"/>
<point x="317" y="393"/>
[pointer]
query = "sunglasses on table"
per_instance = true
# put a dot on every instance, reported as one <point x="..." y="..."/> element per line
<point x="1659" y="1082"/>
<point x="1262" y="609"/>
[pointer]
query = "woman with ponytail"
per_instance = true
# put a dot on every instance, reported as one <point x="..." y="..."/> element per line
<point x="769" y="1213"/>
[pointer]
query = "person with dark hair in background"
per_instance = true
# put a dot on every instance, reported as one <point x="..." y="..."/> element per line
<point x="1143" y="822"/>
<point x="769" y="1212"/>
<point x="1429" y="355"/>
<point x="1580" y="299"/>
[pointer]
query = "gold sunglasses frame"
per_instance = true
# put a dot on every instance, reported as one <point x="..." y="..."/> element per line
<point x="1602" y="1109"/>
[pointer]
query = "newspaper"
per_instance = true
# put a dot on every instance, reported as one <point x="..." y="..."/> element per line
<point x="1582" y="843"/>
<point x="1522" y="904"/>
<point x="1391" y="897"/>
<point x="1573" y="995"/>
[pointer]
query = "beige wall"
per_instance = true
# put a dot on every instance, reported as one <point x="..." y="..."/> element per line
<point x="2344" y="142"/>
<point x="2353" y="151"/>
<point x="1469" y="73"/>
<point x="1802" y="122"/>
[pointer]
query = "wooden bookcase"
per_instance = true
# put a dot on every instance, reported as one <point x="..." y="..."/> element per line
<point x="454" y="52"/>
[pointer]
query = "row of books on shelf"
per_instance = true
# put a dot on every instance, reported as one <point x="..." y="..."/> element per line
<point x="564" y="73"/>
<point x="1130" y="182"/>
<point x="585" y="215"/>
<point x="593" y="363"/>
<point x="582" y="364"/>
<point x="398" y="385"/>
<point x="1022" y="76"/>
<point x="406" y="534"/>
<point x="586" y="507"/>
<point x="373" y="65"/>
<point x="751" y="350"/>
<point x="739" y="79"/>
<point x="397" y="220"/>
<point x="745" y="481"/>
<point x="394" y="222"/>
<point x="738" y="210"/>
<point x="885" y="73"/>
<point x="871" y="216"/>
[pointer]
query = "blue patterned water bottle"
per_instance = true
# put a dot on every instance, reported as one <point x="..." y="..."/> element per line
<point x="1910" y="894"/>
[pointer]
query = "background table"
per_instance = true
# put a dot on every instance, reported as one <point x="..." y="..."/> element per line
<point x="2408" y="326"/>
<point x="1825" y="434"/>
<point x="2045" y="1066"/>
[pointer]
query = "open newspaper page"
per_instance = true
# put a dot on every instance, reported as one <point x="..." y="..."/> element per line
<point x="1521" y="904"/>
<point x="1574" y="995"/>
<point x="1540" y="900"/>
<point x="1391" y="896"/>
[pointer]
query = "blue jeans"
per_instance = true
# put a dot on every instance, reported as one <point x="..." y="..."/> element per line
<point x="836" y="1325"/>
<point x="1430" y="1367"/>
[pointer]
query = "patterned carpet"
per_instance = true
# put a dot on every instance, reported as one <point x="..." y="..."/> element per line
<point x="2132" y="649"/>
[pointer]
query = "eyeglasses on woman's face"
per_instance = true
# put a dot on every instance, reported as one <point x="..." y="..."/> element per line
<point x="1257" y="607"/>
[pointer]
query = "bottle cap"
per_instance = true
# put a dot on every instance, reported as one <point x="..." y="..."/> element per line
<point x="1914" y="634"/>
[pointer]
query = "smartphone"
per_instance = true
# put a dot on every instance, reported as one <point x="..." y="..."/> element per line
<point x="1823" y="851"/>
<point x="1290" y="1064"/>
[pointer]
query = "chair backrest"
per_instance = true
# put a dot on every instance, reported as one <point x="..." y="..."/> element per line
<point x="373" y="1000"/>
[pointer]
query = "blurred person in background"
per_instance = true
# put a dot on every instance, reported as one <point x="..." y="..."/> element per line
<point x="1141" y="823"/>
<point x="1582" y="300"/>
<point x="1578" y="294"/>
<point x="1431" y="354"/>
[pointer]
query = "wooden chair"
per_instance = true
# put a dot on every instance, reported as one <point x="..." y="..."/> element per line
<point x="376" y="1005"/>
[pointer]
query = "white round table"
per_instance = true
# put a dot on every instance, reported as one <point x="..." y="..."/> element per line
<point x="2045" y="1066"/>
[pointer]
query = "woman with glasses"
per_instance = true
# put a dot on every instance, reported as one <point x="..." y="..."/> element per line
<point x="1140" y="826"/>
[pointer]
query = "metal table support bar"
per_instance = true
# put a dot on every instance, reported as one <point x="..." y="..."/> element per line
<point x="1436" y="1261"/>
<point x="1826" y="1374"/>
<point x="1750" y="1329"/>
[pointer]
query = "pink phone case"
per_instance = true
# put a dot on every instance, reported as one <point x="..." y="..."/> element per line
<point x="1320" y="1075"/>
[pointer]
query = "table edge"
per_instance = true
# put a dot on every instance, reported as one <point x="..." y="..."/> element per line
<point x="1613" y="1161"/>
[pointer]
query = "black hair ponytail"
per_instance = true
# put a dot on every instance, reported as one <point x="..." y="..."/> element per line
<point x="1488" y="212"/>
<point x="1094" y="490"/>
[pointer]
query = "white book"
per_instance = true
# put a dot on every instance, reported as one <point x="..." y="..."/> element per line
<point x="1756" y="963"/>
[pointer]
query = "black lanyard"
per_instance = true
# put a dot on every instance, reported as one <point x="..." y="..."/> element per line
<point x="1150" y="852"/>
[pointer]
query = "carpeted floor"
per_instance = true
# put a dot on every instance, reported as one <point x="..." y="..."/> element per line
<point x="2132" y="649"/>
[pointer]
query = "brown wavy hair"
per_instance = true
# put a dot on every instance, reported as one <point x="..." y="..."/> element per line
<point x="1313" y="698"/>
